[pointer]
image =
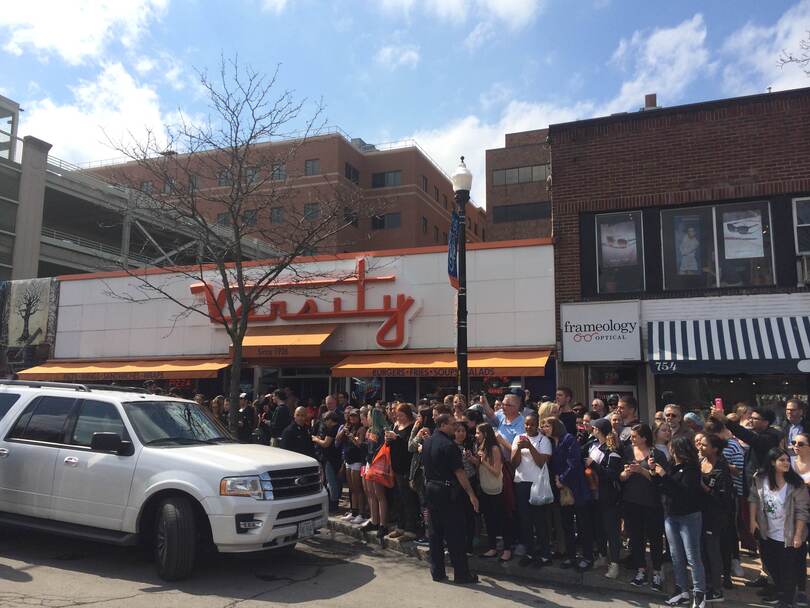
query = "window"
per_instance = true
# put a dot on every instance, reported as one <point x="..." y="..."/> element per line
<point x="620" y="252"/>
<point x="350" y="216"/>
<point x="520" y="175"/>
<point x="146" y="187"/>
<point x="312" y="166"/>
<point x="169" y="185"/>
<point x="44" y="420"/>
<point x="386" y="179"/>
<point x="687" y="241"/>
<point x="717" y="246"/>
<point x="424" y="225"/>
<point x="6" y="401"/>
<point x="193" y="183"/>
<point x="423" y="182"/>
<point x="483" y="234"/>
<point x="279" y="172"/>
<point x="436" y="234"/>
<point x="312" y="211"/>
<point x="444" y="237"/>
<point x="475" y="228"/>
<point x="224" y="178"/>
<point x="444" y="200"/>
<point x="352" y="174"/>
<point x="97" y="417"/>
<point x="521" y="212"/>
<point x="276" y="215"/>
<point x="251" y="175"/>
<point x="249" y="217"/>
<point x="224" y="219"/>
<point x="436" y="193"/>
<point x="801" y="223"/>
<point x="386" y="222"/>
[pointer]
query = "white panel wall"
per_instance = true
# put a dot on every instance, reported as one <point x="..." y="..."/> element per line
<point x="511" y="303"/>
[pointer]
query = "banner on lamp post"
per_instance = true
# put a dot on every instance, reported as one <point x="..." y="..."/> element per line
<point x="452" y="251"/>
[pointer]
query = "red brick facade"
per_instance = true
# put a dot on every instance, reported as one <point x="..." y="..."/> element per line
<point x="746" y="148"/>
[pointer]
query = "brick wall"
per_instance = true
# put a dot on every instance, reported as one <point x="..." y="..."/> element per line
<point x="746" y="148"/>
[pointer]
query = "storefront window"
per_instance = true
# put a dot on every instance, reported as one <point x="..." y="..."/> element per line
<point x="612" y="375"/>
<point x="436" y="388"/>
<point x="688" y="244"/>
<point x="744" y="244"/>
<point x="717" y="246"/>
<point x="400" y="389"/>
<point x="698" y="392"/>
<point x="366" y="390"/>
<point x="620" y="252"/>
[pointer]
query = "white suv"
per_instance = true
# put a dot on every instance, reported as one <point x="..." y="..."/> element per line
<point x="129" y="467"/>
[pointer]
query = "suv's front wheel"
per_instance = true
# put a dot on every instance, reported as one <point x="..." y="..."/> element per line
<point x="175" y="538"/>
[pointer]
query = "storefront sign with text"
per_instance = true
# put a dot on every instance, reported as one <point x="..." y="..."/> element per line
<point x="601" y="331"/>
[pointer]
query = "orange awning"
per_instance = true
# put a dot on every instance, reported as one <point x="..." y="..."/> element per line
<point x="155" y="369"/>
<point x="285" y="341"/>
<point x="412" y="364"/>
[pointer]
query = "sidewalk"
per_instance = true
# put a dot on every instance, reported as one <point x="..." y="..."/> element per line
<point x="553" y="575"/>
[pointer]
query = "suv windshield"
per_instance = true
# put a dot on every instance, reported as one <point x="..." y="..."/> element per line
<point x="174" y="423"/>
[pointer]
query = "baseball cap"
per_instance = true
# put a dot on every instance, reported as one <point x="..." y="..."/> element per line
<point x="243" y="396"/>
<point x="602" y="425"/>
<point x="693" y="418"/>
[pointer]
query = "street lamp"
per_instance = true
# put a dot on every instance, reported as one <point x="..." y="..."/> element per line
<point x="462" y="180"/>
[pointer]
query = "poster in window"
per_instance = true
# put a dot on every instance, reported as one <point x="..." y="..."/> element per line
<point x="688" y="254"/>
<point x="618" y="243"/>
<point x="742" y="235"/>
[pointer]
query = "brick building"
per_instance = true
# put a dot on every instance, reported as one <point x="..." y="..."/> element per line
<point x="518" y="200"/>
<point x="412" y="194"/>
<point x="682" y="238"/>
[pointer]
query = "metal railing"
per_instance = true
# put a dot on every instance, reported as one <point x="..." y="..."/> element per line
<point x="10" y="147"/>
<point x="101" y="249"/>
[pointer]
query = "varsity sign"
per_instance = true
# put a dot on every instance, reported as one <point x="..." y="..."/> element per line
<point x="601" y="331"/>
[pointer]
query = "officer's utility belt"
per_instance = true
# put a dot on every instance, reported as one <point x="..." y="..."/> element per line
<point x="447" y="484"/>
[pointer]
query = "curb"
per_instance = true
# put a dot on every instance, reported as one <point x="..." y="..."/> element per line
<point x="548" y="575"/>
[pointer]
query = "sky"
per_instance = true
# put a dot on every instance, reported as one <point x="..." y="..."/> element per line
<point x="455" y="75"/>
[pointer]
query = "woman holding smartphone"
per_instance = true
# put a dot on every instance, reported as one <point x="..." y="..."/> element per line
<point x="778" y="507"/>
<point x="490" y="476"/>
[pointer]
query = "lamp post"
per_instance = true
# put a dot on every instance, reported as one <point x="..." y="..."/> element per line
<point x="462" y="180"/>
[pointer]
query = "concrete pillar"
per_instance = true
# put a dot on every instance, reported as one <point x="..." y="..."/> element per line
<point x="126" y="230"/>
<point x="29" y="213"/>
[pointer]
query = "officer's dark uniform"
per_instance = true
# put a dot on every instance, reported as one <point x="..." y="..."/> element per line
<point x="443" y="495"/>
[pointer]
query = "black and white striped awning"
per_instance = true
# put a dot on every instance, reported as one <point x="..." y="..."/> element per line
<point x="760" y="345"/>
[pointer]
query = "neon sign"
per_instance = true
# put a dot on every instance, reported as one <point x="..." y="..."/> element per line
<point x="391" y="333"/>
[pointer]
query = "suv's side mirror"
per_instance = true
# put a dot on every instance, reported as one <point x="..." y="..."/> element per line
<point x="106" y="442"/>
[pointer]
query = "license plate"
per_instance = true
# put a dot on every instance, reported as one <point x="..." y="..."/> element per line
<point x="306" y="529"/>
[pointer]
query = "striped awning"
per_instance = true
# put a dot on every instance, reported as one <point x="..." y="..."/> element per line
<point x="761" y="345"/>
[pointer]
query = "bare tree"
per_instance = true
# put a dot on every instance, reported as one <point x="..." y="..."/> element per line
<point x="28" y="304"/>
<point x="228" y="178"/>
<point x="801" y="59"/>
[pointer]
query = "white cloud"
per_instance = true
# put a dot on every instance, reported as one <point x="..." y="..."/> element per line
<point x="395" y="56"/>
<point x="274" y="6"/>
<point x="665" y="61"/>
<point x="753" y="52"/>
<point x="514" y="13"/>
<point x="114" y="103"/>
<point x="144" y="65"/>
<point x="74" y="32"/>
<point x="498" y="94"/>
<point x="479" y="36"/>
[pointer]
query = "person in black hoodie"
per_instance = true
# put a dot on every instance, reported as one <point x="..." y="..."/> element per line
<point x="682" y="488"/>
<point x="297" y="437"/>
<point x="718" y="512"/>
<point x="602" y="456"/>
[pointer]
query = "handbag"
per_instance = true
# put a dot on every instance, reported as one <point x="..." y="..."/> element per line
<point x="566" y="497"/>
<point x="380" y="470"/>
<point x="541" y="493"/>
<point x="491" y="484"/>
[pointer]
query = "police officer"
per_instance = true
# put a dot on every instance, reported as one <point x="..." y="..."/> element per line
<point x="444" y="483"/>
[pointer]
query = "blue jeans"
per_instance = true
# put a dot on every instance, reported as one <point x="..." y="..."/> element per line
<point x="683" y="534"/>
<point x="333" y="485"/>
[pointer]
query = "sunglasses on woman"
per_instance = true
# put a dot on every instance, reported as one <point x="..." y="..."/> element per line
<point x="798" y="444"/>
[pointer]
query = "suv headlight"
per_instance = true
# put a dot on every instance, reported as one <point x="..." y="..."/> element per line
<point x="242" y="486"/>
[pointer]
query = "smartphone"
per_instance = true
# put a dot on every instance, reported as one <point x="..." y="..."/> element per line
<point x="718" y="405"/>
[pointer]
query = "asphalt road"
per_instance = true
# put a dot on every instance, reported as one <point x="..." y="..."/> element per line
<point x="41" y="570"/>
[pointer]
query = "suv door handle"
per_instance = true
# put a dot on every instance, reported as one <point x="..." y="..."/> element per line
<point x="3" y="453"/>
<point x="72" y="461"/>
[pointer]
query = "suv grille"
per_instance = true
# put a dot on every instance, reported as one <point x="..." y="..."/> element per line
<point x="290" y="483"/>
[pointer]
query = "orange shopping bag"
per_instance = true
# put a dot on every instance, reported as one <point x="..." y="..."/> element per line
<point x="380" y="471"/>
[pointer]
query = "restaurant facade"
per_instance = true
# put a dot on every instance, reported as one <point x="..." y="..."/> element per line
<point x="377" y="325"/>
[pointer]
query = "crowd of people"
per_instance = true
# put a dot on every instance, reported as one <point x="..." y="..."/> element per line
<point x="555" y="480"/>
